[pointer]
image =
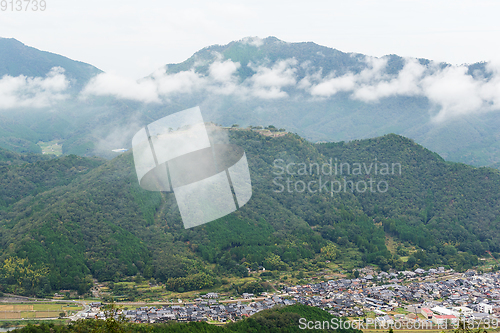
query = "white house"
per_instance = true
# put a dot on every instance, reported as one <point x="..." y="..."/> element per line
<point x="385" y="320"/>
<point x="442" y="311"/>
<point x="485" y="308"/>
<point x="462" y="310"/>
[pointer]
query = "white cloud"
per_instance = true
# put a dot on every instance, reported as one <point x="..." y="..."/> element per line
<point x="255" y="41"/>
<point x="35" y="92"/>
<point x="454" y="91"/>
<point x="121" y="87"/>
<point x="451" y="89"/>
<point x="223" y="71"/>
<point x="267" y="82"/>
<point x="332" y="84"/>
<point x="147" y="90"/>
<point x="406" y="83"/>
<point x="225" y="82"/>
<point x="182" y="82"/>
<point x="374" y="70"/>
<point x="457" y="93"/>
<point x="491" y="90"/>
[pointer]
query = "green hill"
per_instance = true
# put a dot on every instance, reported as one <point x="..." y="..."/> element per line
<point x="70" y="219"/>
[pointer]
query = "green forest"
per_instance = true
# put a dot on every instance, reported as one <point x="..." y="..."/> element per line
<point x="67" y="220"/>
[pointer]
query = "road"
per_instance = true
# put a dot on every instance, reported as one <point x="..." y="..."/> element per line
<point x="184" y="303"/>
<point x="78" y="315"/>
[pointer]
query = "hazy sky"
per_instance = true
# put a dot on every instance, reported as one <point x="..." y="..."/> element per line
<point x="133" y="38"/>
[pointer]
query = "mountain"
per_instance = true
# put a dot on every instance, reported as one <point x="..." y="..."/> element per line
<point x="39" y="102"/>
<point x="321" y="93"/>
<point x="335" y="96"/>
<point x="18" y="59"/>
<point x="70" y="219"/>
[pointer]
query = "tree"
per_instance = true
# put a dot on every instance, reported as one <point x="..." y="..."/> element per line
<point x="114" y="322"/>
<point x="21" y="273"/>
<point x="329" y="252"/>
<point x="273" y="262"/>
<point x="411" y="262"/>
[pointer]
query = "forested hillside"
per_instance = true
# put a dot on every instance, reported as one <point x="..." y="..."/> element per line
<point x="66" y="220"/>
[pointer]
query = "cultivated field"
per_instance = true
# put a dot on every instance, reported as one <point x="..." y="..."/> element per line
<point x="51" y="147"/>
<point x="38" y="310"/>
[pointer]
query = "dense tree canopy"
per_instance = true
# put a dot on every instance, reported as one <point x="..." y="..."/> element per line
<point x="76" y="218"/>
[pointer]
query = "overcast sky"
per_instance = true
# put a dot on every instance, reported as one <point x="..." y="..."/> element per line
<point x="133" y="38"/>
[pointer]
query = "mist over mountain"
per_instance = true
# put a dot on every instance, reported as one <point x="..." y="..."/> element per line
<point x="321" y="93"/>
<point x="18" y="59"/>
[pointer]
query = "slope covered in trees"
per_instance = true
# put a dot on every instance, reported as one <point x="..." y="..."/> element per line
<point x="69" y="219"/>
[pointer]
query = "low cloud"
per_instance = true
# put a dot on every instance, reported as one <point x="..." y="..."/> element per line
<point x="118" y="137"/>
<point x="183" y="82"/>
<point x="267" y="82"/>
<point x="454" y="91"/>
<point x="255" y="41"/>
<point x="406" y="83"/>
<point x="120" y="87"/>
<point x="458" y="93"/>
<point x="450" y="88"/>
<point x="332" y="84"/>
<point x="223" y="73"/>
<point x="34" y="92"/>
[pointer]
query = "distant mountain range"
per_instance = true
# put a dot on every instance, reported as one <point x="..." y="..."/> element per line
<point x="320" y="93"/>
<point x="18" y="59"/>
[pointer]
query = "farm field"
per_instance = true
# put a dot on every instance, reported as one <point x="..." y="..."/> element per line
<point x="51" y="147"/>
<point x="38" y="310"/>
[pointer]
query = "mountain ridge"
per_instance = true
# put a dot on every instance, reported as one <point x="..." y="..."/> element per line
<point x="17" y="59"/>
<point x="99" y="123"/>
